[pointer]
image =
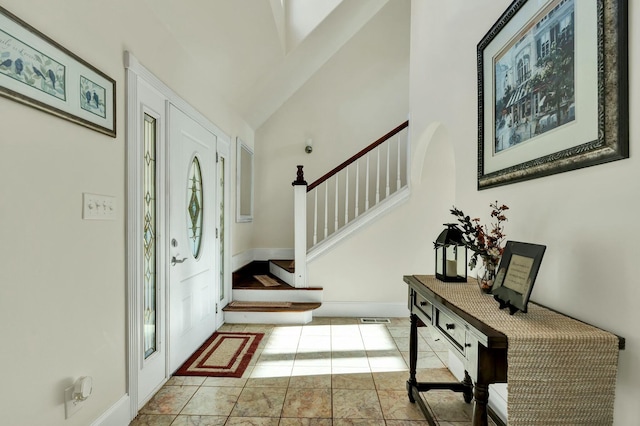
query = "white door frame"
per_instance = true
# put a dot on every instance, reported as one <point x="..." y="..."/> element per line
<point x="134" y="71"/>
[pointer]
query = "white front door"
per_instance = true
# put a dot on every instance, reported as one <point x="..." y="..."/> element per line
<point x="192" y="236"/>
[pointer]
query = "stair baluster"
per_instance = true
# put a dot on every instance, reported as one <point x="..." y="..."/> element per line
<point x="361" y="197"/>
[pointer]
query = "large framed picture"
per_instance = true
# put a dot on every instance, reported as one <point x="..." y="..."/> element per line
<point x="552" y="89"/>
<point x="516" y="275"/>
<point x="37" y="71"/>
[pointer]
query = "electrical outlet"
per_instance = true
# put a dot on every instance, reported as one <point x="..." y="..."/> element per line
<point x="98" y="207"/>
<point x="71" y="406"/>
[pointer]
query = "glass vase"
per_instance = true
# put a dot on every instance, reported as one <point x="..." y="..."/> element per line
<point x="485" y="277"/>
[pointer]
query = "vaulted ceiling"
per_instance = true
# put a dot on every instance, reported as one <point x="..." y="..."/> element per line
<point x="258" y="53"/>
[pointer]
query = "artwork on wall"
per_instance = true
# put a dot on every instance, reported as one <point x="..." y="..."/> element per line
<point x="552" y="89"/>
<point x="37" y="71"/>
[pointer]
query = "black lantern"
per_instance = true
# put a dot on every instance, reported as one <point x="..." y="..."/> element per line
<point x="451" y="255"/>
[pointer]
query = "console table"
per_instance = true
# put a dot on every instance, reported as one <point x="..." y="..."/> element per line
<point x="552" y="362"/>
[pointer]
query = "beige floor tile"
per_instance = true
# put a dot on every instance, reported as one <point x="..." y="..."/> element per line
<point x="435" y="375"/>
<point x="448" y="406"/>
<point x="152" y="420"/>
<point x="396" y="405"/>
<point x="349" y="359"/>
<point x="390" y="360"/>
<point x="356" y="404"/>
<point x="399" y="331"/>
<point x="269" y="377"/>
<point x="183" y="420"/>
<point x="260" y="402"/>
<point x="318" y="374"/>
<point x="291" y="421"/>
<point x="316" y="329"/>
<point x="358" y="422"/>
<point x="344" y="320"/>
<point x="234" y="382"/>
<point x="391" y="380"/>
<point x="252" y="421"/>
<point x="425" y="360"/>
<point x="312" y="359"/>
<point x="408" y="423"/>
<point x="185" y="381"/>
<point x="311" y="403"/>
<point x="212" y="401"/>
<point x="169" y="400"/>
<point x="311" y="378"/>
<point x="352" y="381"/>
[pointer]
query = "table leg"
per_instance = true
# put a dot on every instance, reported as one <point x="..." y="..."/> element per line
<point x="467" y="393"/>
<point x="481" y="398"/>
<point x="413" y="355"/>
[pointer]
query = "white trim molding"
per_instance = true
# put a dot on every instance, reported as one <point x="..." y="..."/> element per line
<point x="362" y="309"/>
<point x="136" y="73"/>
<point x="116" y="415"/>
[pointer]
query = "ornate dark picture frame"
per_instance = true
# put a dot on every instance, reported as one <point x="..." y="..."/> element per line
<point x="529" y="124"/>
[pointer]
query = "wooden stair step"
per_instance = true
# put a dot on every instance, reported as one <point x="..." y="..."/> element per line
<point x="287" y="265"/>
<point x="293" y="307"/>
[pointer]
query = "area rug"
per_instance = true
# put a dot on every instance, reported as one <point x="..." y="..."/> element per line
<point x="224" y="354"/>
<point x="266" y="280"/>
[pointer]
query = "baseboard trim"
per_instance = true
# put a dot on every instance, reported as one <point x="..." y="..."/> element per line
<point x="362" y="309"/>
<point x="241" y="259"/>
<point x="117" y="415"/>
<point x="272" y="253"/>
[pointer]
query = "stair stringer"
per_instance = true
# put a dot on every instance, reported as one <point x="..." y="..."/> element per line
<point x="380" y="209"/>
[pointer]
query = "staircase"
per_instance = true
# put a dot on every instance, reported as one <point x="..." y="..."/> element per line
<point x="271" y="300"/>
<point x="351" y="195"/>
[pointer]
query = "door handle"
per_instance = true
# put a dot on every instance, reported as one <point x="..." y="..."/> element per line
<point x="175" y="260"/>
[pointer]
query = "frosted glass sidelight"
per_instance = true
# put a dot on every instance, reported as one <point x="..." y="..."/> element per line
<point x="149" y="238"/>
<point x="195" y="207"/>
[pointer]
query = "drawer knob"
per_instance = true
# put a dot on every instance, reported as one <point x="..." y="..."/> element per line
<point x="450" y="326"/>
<point x="423" y="303"/>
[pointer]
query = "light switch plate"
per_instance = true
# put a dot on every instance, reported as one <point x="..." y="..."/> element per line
<point x="98" y="207"/>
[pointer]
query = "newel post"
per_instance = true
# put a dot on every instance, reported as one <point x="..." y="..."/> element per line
<point x="300" y="229"/>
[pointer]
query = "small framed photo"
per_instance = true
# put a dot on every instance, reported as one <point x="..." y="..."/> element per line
<point x="517" y="274"/>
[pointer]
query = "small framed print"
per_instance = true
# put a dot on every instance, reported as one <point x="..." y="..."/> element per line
<point x="516" y="275"/>
<point x="37" y="71"/>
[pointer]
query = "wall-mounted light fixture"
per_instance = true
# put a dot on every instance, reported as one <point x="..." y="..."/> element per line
<point x="308" y="146"/>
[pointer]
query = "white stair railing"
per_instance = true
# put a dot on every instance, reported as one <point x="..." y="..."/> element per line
<point x="337" y="197"/>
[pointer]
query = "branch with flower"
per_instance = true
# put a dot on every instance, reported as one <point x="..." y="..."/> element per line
<point x="485" y="242"/>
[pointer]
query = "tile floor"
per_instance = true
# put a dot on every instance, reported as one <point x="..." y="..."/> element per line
<point x="330" y="372"/>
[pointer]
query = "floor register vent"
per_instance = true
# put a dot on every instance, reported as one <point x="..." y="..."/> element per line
<point x="375" y="320"/>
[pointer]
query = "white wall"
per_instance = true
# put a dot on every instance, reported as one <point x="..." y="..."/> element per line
<point x="357" y="96"/>
<point x="584" y="217"/>
<point x="62" y="279"/>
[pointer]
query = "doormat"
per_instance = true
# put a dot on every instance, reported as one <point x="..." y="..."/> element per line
<point x="224" y="354"/>
<point x="266" y="280"/>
